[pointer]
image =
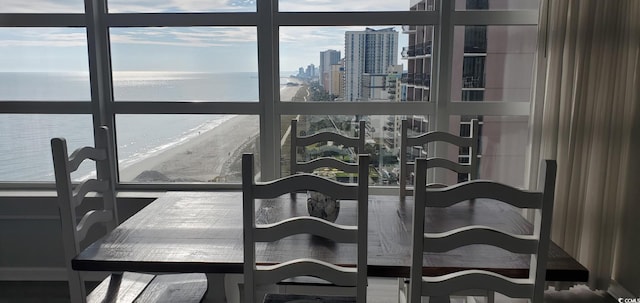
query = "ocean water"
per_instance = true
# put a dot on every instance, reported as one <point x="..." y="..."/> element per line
<point x="25" y="152"/>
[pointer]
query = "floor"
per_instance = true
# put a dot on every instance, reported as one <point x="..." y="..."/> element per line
<point x="380" y="291"/>
<point x="385" y="291"/>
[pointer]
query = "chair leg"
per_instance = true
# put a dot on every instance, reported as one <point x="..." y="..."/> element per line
<point x="232" y="287"/>
<point x="491" y="297"/>
<point x="77" y="290"/>
<point x="403" y="291"/>
<point x="215" y="289"/>
<point x="114" y="286"/>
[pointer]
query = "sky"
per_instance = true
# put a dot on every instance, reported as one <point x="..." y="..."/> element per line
<point x="197" y="49"/>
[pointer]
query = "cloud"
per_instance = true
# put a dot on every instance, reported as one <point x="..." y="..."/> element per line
<point x="43" y="37"/>
<point x="327" y="37"/>
<point x="156" y="6"/>
<point x="42" y="6"/>
<point x="343" y="5"/>
<point x="186" y="37"/>
<point x="175" y="36"/>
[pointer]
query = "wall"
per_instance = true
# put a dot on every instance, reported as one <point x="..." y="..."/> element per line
<point x="30" y="238"/>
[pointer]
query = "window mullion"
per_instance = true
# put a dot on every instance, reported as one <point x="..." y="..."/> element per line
<point x="42" y="20"/>
<point x="100" y="78"/>
<point x="268" y="81"/>
<point x="443" y="61"/>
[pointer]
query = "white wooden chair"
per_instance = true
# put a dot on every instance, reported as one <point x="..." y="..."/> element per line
<point x="321" y="162"/>
<point x="407" y="164"/>
<point x="255" y="275"/>
<point x="76" y="222"/>
<point x="439" y="288"/>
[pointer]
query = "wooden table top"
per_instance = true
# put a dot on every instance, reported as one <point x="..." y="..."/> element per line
<point x="202" y="232"/>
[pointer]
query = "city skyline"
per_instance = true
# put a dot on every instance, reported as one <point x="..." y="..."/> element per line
<point x="198" y="49"/>
<point x="162" y="6"/>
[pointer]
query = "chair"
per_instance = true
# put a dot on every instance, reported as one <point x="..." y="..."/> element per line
<point x="310" y="166"/>
<point x="439" y="288"/>
<point x="77" y="221"/>
<point x="406" y="164"/>
<point x="255" y="274"/>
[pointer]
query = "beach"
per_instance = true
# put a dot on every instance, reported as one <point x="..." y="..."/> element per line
<point x="211" y="156"/>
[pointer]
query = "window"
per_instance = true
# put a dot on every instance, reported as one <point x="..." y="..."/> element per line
<point x="184" y="64"/>
<point x="477" y="4"/>
<point x="497" y="5"/>
<point x="502" y="146"/>
<point x="371" y="58"/>
<point x="44" y="64"/>
<point x="164" y="78"/>
<point x="184" y="148"/>
<point x="25" y="151"/>
<point x="169" y="6"/>
<point x="42" y="6"/>
<point x="501" y="66"/>
<point x="475" y="39"/>
<point x="344" y="5"/>
<point x="381" y="141"/>
<point x="473" y="72"/>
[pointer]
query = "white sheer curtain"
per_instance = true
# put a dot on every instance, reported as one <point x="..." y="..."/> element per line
<point x="582" y="117"/>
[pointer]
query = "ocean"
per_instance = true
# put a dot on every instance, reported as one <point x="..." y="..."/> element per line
<point x="25" y="152"/>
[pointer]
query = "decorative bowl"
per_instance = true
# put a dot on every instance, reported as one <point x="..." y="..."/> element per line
<point x="322" y="206"/>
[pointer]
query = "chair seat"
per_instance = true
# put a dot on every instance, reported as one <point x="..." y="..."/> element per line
<point x="285" y="298"/>
<point x="137" y="287"/>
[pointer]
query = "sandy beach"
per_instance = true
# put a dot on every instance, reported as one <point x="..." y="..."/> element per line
<point x="212" y="156"/>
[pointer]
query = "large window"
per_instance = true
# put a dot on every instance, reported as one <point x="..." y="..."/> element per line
<point x="184" y="64"/>
<point x="25" y="153"/>
<point x="186" y="87"/>
<point x="44" y="64"/>
<point x="171" y="6"/>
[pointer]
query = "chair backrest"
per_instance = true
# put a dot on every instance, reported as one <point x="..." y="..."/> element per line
<point x="336" y="138"/>
<point x="535" y="244"/>
<point x="407" y="163"/>
<point x="253" y="232"/>
<point x="76" y="223"/>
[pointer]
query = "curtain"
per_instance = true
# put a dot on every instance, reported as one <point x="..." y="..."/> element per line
<point x="585" y="105"/>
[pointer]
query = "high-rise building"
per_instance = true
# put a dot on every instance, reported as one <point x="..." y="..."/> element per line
<point x="393" y="85"/>
<point x="368" y="52"/>
<point x="489" y="63"/>
<point x="328" y="58"/>
<point x="311" y="71"/>
<point x="337" y="79"/>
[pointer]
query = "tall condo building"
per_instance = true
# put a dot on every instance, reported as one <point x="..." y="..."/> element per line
<point x="328" y="58"/>
<point x="492" y="63"/>
<point x="367" y="52"/>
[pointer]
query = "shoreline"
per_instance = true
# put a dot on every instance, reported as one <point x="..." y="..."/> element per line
<point x="212" y="156"/>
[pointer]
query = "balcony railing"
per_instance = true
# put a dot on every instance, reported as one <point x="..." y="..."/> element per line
<point x="420" y="49"/>
<point x="426" y="81"/>
<point x="417" y="79"/>
<point x="408" y="28"/>
<point x="472" y="82"/>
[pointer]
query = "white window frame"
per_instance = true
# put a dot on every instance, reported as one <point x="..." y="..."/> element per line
<point x="267" y="20"/>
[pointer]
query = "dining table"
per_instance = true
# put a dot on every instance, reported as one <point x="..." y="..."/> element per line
<point x="201" y="232"/>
